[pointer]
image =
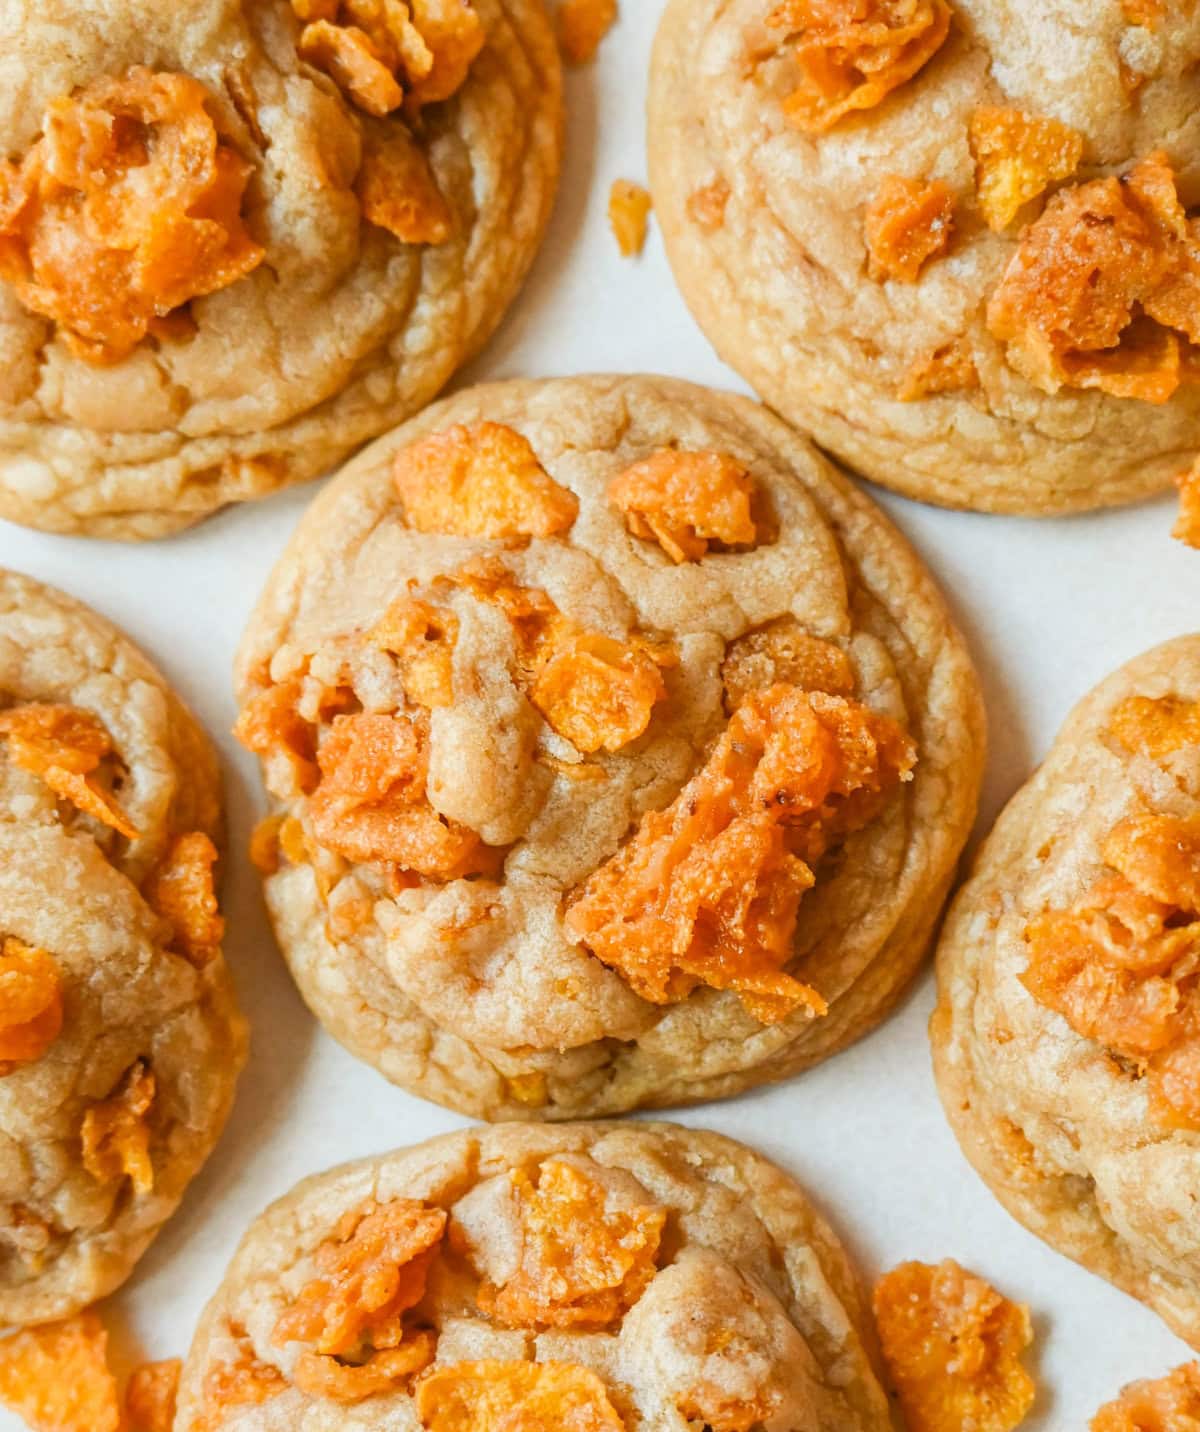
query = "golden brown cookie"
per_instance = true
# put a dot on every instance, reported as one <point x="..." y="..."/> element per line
<point x="567" y="693"/>
<point x="240" y="237"/>
<point x="120" y="1041"/>
<point x="954" y="241"/>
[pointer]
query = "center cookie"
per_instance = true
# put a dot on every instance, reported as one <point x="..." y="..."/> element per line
<point x="620" y="753"/>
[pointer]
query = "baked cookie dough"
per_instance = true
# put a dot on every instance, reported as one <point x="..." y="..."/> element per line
<point x="592" y="1277"/>
<point x="1067" y="1034"/>
<point x="238" y="238"/>
<point x="120" y="1041"/>
<point x="566" y="693"/>
<point x="950" y="240"/>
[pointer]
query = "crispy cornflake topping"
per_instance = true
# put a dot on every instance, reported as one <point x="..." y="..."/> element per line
<point x="952" y="1346"/>
<point x="582" y="25"/>
<point x="31" y="1006"/>
<point x="116" y="1136"/>
<point x="783" y="651"/>
<point x="270" y="724"/>
<point x="397" y="190"/>
<point x="582" y="1265"/>
<point x="422" y="637"/>
<point x="950" y="368"/>
<point x="64" y="745"/>
<point x="1017" y="157"/>
<point x="495" y="1396"/>
<point x="706" y="892"/>
<point x="181" y="892"/>
<point x="706" y="207"/>
<point x="854" y="53"/>
<point x="687" y="500"/>
<point x="248" y="1382"/>
<point x="56" y="1377"/>
<point x="1156" y="726"/>
<point x="1104" y="289"/>
<point x="908" y="222"/>
<point x="1147" y="14"/>
<point x="150" y="1396"/>
<point x="482" y="481"/>
<point x="1162" y="1404"/>
<point x="127" y="207"/>
<point x="1187" y="527"/>
<point x="629" y="208"/>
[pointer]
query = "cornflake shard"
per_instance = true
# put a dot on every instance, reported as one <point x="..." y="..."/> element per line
<point x="783" y="651"/>
<point x="1164" y="1404"/>
<point x="422" y="638"/>
<point x="706" y="206"/>
<point x="493" y="1396"/>
<point x="629" y="208"/>
<point x="952" y="1346"/>
<point x="686" y="501"/>
<point x="706" y="892"/>
<point x="582" y="25"/>
<point x="272" y="727"/>
<point x="1017" y="157"/>
<point x="1187" y="527"/>
<point x="115" y="1135"/>
<point x="126" y="208"/>
<point x="64" y="746"/>
<point x="31" y="1005"/>
<point x="151" y="1394"/>
<point x="950" y="368"/>
<point x="908" y="222"/>
<point x="181" y="892"/>
<point x="1156" y="726"/>
<point x="247" y="1382"/>
<point x="56" y="1377"/>
<point x="398" y="192"/>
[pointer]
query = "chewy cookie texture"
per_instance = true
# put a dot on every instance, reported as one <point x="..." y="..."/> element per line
<point x="120" y="1042"/>
<point x="956" y="242"/>
<point x="619" y="752"/>
<point x="240" y="237"/>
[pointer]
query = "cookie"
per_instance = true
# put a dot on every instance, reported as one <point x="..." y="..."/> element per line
<point x="238" y="238"/>
<point x="1066" y="1038"/>
<point x="120" y="1041"/>
<point x="950" y="240"/>
<point x="598" y="1277"/>
<point x="567" y="692"/>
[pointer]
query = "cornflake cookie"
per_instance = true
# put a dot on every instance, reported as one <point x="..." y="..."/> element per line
<point x="1067" y="1034"/>
<point x="955" y="240"/>
<point x="120" y="1042"/>
<point x="239" y="237"/>
<point x="619" y="753"/>
<point x="597" y="1278"/>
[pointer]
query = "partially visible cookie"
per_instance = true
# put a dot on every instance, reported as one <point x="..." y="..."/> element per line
<point x="1067" y="1034"/>
<point x="594" y="1277"/>
<point x="120" y="1042"/>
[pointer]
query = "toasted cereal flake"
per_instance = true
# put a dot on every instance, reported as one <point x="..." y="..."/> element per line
<point x="398" y="191"/>
<point x="481" y="481"/>
<point x="854" y="53"/>
<point x="783" y="651"/>
<point x="1161" y="1404"/>
<point x="422" y="637"/>
<point x="455" y="35"/>
<point x="181" y="892"/>
<point x="1156" y="726"/>
<point x="706" y="892"/>
<point x="908" y="222"/>
<point x="126" y="208"/>
<point x="629" y="208"/>
<point x="270" y="725"/>
<point x="115" y="1135"/>
<point x="322" y="1376"/>
<point x="582" y="25"/>
<point x="1017" y="157"/>
<point x="265" y="843"/>
<point x="1147" y="14"/>
<point x="706" y="206"/>
<point x="687" y="500"/>
<point x="31" y="1005"/>
<point x="247" y="1382"/>
<point x="347" y="55"/>
<point x="150" y="1396"/>
<point x="64" y="745"/>
<point x="56" y="1377"/>
<point x="950" y="368"/>
<point x="492" y="1396"/>
<point x="1187" y="527"/>
<point x="952" y="1346"/>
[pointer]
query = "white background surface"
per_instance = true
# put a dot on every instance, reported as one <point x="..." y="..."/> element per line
<point x="1048" y="607"/>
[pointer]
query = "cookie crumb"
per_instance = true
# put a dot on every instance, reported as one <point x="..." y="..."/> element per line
<point x="582" y="25"/>
<point x="706" y="206"/>
<point x="629" y="206"/>
<point x="1017" y="157"/>
<point x="908" y="222"/>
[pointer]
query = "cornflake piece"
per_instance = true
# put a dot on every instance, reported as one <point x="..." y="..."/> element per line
<point x="56" y="1377"/>
<point x="952" y="1346"/>
<point x="1147" y="14"/>
<point x="64" y="745"/>
<point x="687" y="500"/>
<point x="706" y="892"/>
<point x="582" y="24"/>
<point x="422" y="637"/>
<point x="115" y="1135"/>
<point x="908" y="222"/>
<point x="629" y="208"/>
<point x="128" y="207"/>
<point x="150" y="1396"/>
<point x="1017" y="157"/>
<point x="181" y="892"/>
<point x="482" y="481"/>
<point x="783" y="651"/>
<point x="950" y="368"/>
<point x="706" y="207"/>
<point x="270" y="725"/>
<point x="398" y="192"/>
<point x="1187" y="527"/>
<point x="31" y="1006"/>
<point x="582" y="1265"/>
<point x="493" y="1396"/>
<point x="1156" y="726"/>
<point x="854" y="53"/>
<point x="1163" y="1404"/>
<point x="248" y="1382"/>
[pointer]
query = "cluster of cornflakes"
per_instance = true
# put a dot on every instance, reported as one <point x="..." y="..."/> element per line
<point x="181" y="892"/>
<point x="1164" y="1404"/>
<point x="64" y="746"/>
<point x="422" y="638"/>
<point x="115" y="1136"/>
<point x="686" y="501"/>
<point x="908" y="222"/>
<point x="492" y="1396"/>
<point x="707" y="891"/>
<point x="952" y="1346"/>
<point x="56" y="1377"/>
<point x="1017" y="157"/>
<point x="629" y="206"/>
<point x="31" y="1006"/>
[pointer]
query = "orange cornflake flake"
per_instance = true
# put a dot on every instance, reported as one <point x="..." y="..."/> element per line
<point x="706" y="206"/>
<point x="582" y="25"/>
<point x="422" y="638"/>
<point x="629" y="206"/>
<point x="126" y="208"/>
<point x="952" y="1346"/>
<point x="1156" y="726"/>
<point x="115" y="1135"/>
<point x="1104" y="289"/>
<point x="908" y="222"/>
<point x="1017" y="157"/>
<point x="950" y="368"/>
<point x="582" y="1265"/>
<point x="687" y="500"/>
<point x="783" y="651"/>
<point x="64" y="745"/>
<point x="31" y="1005"/>
<point x="481" y="481"/>
<point x="150" y="1396"/>
<point x="1187" y="527"/>
<point x="56" y="1377"/>
<point x="1161" y="1404"/>
<point x="397" y="190"/>
<point x="492" y="1396"/>
<point x="707" y="891"/>
<point x="248" y="1382"/>
<point x="1147" y="14"/>
<point x="270" y="724"/>
<point x="265" y="844"/>
<point x="854" y="53"/>
<point x="181" y="892"/>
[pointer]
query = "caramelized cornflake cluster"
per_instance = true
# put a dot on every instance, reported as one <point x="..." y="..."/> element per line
<point x="181" y="892"/>
<point x="582" y="1264"/>
<point x="1163" y="1404"/>
<point x="493" y="1396"/>
<point x="854" y="53"/>
<point x="64" y="746"/>
<point x="1017" y="157"/>
<point x="151" y="1394"/>
<point x="1156" y="726"/>
<point x="707" y="891"/>
<point x="246" y="1382"/>
<point x="1187" y="526"/>
<point x="1104" y="289"/>
<point x="422" y="638"/>
<point x="31" y="1005"/>
<point x="908" y="222"/>
<point x="629" y="208"/>
<point x="582" y="25"/>
<point x="397" y="189"/>
<point x="950" y="368"/>
<point x="952" y="1346"/>
<point x="1147" y="14"/>
<point x="271" y="726"/>
<point x="126" y="208"/>
<point x="56" y="1377"/>
<point x="115" y="1135"/>
<point x="687" y="501"/>
<point x="783" y="651"/>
